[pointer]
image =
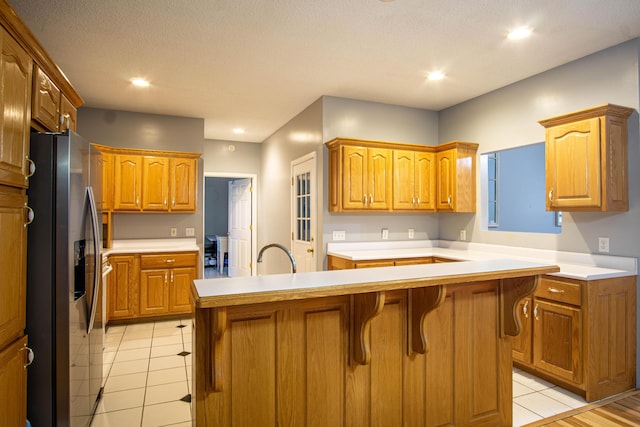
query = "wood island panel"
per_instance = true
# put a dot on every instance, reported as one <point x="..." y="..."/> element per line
<point x="351" y="359"/>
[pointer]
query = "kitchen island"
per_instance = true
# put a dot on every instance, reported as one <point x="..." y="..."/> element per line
<point x="416" y="345"/>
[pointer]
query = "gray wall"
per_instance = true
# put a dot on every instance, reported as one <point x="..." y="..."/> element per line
<point x="300" y="136"/>
<point x="216" y="206"/>
<point x="220" y="158"/>
<point x="150" y="132"/>
<point x="509" y="117"/>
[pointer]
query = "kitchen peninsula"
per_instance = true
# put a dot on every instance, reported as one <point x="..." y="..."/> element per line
<point x="412" y="345"/>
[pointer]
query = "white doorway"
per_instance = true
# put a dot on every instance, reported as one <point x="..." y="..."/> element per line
<point x="303" y="212"/>
<point x="218" y="219"/>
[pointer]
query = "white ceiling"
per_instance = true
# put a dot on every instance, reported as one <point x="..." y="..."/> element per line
<point x="257" y="63"/>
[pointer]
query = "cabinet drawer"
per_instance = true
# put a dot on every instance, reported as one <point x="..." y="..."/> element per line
<point x="559" y="290"/>
<point x="167" y="260"/>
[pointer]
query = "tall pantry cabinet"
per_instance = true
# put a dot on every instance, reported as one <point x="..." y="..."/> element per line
<point x="22" y="59"/>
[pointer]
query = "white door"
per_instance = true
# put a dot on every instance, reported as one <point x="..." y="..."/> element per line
<point x="303" y="212"/>
<point x="239" y="227"/>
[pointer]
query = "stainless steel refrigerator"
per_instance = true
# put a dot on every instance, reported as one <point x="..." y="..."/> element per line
<point x="64" y="306"/>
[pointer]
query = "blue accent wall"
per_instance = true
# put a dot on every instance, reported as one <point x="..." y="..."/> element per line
<point x="521" y="191"/>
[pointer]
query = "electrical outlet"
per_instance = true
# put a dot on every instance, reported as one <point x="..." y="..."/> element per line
<point x="190" y="231"/>
<point x="411" y="233"/>
<point x="339" y="235"/>
<point x="603" y="244"/>
<point x="463" y="235"/>
<point x="385" y="234"/>
<point x="174" y="231"/>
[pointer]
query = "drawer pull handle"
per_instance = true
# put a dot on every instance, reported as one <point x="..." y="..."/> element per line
<point x="168" y="261"/>
<point x="555" y="290"/>
<point x="525" y="310"/>
<point x="30" y="356"/>
<point x="535" y="312"/>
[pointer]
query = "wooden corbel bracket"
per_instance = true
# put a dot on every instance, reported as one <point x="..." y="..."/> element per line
<point x="364" y="307"/>
<point x="512" y="291"/>
<point x="421" y="301"/>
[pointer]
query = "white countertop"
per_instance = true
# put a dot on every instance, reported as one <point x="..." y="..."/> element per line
<point x="152" y="245"/>
<point x="572" y="265"/>
<point x="292" y="286"/>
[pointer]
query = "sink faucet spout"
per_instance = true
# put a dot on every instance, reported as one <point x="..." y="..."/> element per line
<point x="285" y="250"/>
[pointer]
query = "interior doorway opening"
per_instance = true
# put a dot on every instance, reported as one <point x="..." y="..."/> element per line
<point x="221" y="215"/>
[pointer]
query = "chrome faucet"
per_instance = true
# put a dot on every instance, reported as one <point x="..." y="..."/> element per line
<point x="277" y="245"/>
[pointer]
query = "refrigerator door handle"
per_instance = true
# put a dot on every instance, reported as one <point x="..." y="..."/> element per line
<point x="96" y="258"/>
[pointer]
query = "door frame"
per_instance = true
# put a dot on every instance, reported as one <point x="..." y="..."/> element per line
<point x="254" y="212"/>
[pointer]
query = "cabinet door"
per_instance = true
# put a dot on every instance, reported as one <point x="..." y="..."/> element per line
<point x="425" y="181"/>
<point x="13" y="247"/>
<point x="107" y="182"/>
<point x="184" y="175"/>
<point x="557" y="340"/>
<point x="127" y="176"/>
<point x="46" y="101"/>
<point x="121" y="288"/>
<point x="13" y="384"/>
<point x="68" y="115"/>
<point x="180" y="289"/>
<point x="15" y="114"/>
<point x="354" y="177"/>
<point x="154" y="291"/>
<point x="573" y="165"/>
<point x="522" y="344"/>
<point x="379" y="178"/>
<point x="446" y="175"/>
<point x="155" y="175"/>
<point x="404" y="193"/>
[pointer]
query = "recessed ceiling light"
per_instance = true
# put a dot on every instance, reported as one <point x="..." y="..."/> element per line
<point x="238" y="131"/>
<point x="140" y="82"/>
<point x="435" y="75"/>
<point x="520" y="33"/>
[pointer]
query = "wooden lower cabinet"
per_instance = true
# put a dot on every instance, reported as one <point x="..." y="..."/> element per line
<point x="13" y="383"/>
<point x="154" y="284"/>
<point x="289" y="364"/>
<point x="580" y="335"/>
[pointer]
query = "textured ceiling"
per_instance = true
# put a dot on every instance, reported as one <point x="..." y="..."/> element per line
<point x="257" y="63"/>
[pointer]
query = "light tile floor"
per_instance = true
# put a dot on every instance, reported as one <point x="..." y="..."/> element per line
<point x="148" y="373"/>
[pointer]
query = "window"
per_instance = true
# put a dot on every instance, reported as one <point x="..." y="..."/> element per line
<point x="492" y="174"/>
<point x="303" y="207"/>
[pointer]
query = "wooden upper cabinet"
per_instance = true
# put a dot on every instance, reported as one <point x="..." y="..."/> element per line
<point x="414" y="180"/>
<point x="384" y="176"/>
<point x="149" y="180"/>
<point x="68" y="115"/>
<point x="15" y="95"/>
<point x="183" y="187"/>
<point x="127" y="177"/>
<point x="155" y="176"/>
<point x="456" y="177"/>
<point x="46" y="101"/>
<point x="586" y="160"/>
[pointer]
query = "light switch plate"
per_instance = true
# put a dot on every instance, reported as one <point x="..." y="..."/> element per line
<point x="385" y="234"/>
<point x="174" y="231"/>
<point x="603" y="244"/>
<point x="339" y="235"/>
<point x="190" y="231"/>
